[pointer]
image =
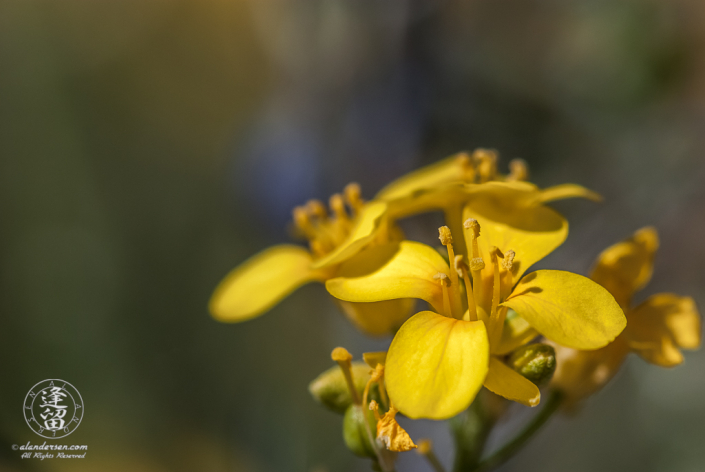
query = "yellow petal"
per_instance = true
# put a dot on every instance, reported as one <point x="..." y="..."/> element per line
<point x="261" y="282"/>
<point x="449" y="169"/>
<point x="436" y="365"/>
<point x="378" y="318"/>
<point x="626" y="266"/>
<point x="579" y="374"/>
<point x="517" y="332"/>
<point x="504" y="381"/>
<point x="374" y="358"/>
<point x="368" y="224"/>
<point x="391" y="271"/>
<point x="394" y="437"/>
<point x="568" y="308"/>
<point x="662" y="324"/>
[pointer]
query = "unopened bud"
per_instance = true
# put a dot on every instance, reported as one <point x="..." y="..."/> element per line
<point x="330" y="388"/>
<point x="355" y="433"/>
<point x="536" y="362"/>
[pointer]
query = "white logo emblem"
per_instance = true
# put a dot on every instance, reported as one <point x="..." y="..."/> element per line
<point x="53" y="408"/>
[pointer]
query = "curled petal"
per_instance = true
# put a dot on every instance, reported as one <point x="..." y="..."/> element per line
<point x="627" y="266"/>
<point x="261" y="282"/>
<point x="394" y="437"/>
<point x="506" y="382"/>
<point x="568" y="308"/>
<point x="436" y="365"/>
<point x="661" y="325"/>
<point x="368" y="224"/>
<point x="391" y="271"/>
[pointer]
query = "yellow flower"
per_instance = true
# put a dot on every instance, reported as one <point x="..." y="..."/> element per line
<point x="439" y="360"/>
<point x="656" y="329"/>
<point x="261" y="282"/>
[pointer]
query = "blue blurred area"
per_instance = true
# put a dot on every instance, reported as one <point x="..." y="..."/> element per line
<point x="147" y="148"/>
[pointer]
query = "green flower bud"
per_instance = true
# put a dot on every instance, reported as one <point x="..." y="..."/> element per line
<point x="536" y="362"/>
<point x="354" y="431"/>
<point x="331" y="389"/>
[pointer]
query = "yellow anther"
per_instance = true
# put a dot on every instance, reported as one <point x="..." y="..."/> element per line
<point x="465" y="164"/>
<point x="518" y="170"/>
<point x="340" y="354"/>
<point x="353" y="196"/>
<point x="443" y="278"/>
<point x="472" y="224"/>
<point x="344" y="358"/>
<point x="508" y="260"/>
<point x="301" y="217"/>
<point x="477" y="263"/>
<point x="486" y="164"/>
<point x="375" y="407"/>
<point x="317" y="209"/>
<point x="337" y="206"/>
<point x="445" y="236"/>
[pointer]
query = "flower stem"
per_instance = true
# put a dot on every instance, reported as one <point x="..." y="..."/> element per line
<point x="514" y="445"/>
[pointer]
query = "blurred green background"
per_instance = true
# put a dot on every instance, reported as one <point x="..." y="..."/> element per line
<point x="147" y="147"/>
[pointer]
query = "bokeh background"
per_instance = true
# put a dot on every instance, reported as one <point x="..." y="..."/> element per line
<point x="149" y="146"/>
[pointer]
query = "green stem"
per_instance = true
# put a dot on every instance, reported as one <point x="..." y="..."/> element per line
<point x="512" y="447"/>
<point x="472" y="428"/>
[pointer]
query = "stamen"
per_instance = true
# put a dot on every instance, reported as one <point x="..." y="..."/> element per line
<point x="518" y="170"/>
<point x="375" y="407"/>
<point x="302" y="220"/>
<point x="337" y="206"/>
<point x="352" y="196"/>
<point x="476" y="263"/>
<point x="445" y="281"/>
<point x="447" y="240"/>
<point x="463" y="267"/>
<point x="467" y="170"/>
<point x="377" y="375"/>
<point x="486" y="164"/>
<point x="317" y="209"/>
<point x="344" y="358"/>
<point x="508" y="260"/>
<point x="494" y="322"/>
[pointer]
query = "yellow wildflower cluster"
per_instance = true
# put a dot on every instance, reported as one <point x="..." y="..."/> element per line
<point x="483" y="304"/>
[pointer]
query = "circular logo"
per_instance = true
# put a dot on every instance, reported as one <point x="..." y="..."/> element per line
<point x="53" y="408"/>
